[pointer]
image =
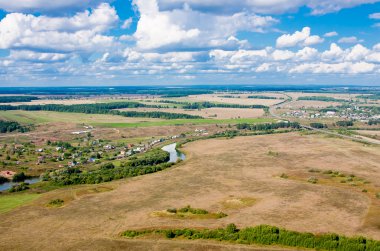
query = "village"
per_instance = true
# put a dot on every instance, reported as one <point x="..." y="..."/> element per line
<point x="83" y="151"/>
<point x="354" y="113"/>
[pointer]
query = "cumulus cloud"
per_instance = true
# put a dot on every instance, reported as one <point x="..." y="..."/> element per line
<point x="80" y="33"/>
<point x="331" y="34"/>
<point x="374" y="16"/>
<point x="187" y="28"/>
<point x="27" y="6"/>
<point x="350" y="40"/>
<point x="318" y="7"/>
<point x="127" y="23"/>
<point x="298" y="38"/>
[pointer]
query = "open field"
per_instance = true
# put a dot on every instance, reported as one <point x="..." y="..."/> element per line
<point x="7" y="203"/>
<point x="239" y="176"/>
<point x="309" y="104"/>
<point x="296" y="95"/>
<point x="78" y="118"/>
<point x="241" y="101"/>
<point x="216" y="113"/>
<point x="178" y="122"/>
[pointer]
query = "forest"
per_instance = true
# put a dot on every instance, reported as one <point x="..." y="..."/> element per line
<point x="13" y="99"/>
<point x="102" y="108"/>
<point x="12" y="126"/>
<point x="267" y="126"/>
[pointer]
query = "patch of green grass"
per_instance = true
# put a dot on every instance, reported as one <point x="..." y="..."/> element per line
<point x="56" y="203"/>
<point x="184" y="122"/>
<point x="9" y="202"/>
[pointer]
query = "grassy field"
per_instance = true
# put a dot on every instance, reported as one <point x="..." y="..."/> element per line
<point x="38" y="117"/>
<point x="184" y="122"/>
<point x="240" y="177"/>
<point x="9" y="202"/>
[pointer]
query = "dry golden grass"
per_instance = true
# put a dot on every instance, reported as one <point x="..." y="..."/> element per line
<point x="216" y="113"/>
<point x="241" y="101"/>
<point x="215" y="171"/>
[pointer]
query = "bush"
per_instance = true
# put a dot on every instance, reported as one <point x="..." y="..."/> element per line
<point x="172" y="210"/>
<point x="18" y="177"/>
<point x="3" y="180"/>
<point x="270" y="235"/>
<point x="19" y="187"/>
<point x="56" y="202"/>
<point x="312" y="180"/>
<point x="231" y="228"/>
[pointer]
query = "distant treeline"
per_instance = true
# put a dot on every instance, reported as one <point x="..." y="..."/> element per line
<point x="322" y="98"/>
<point x="262" y="97"/>
<point x="318" y="125"/>
<point x="268" y="235"/>
<point x="12" y="126"/>
<point x="229" y="96"/>
<point x="374" y="122"/>
<point x="345" y="123"/>
<point x="373" y="96"/>
<point x="203" y="105"/>
<point x="13" y="99"/>
<point x="150" y="162"/>
<point x="102" y="108"/>
<point x="268" y="126"/>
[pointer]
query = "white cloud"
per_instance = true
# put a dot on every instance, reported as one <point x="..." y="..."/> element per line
<point x="47" y="6"/>
<point x="338" y="68"/>
<point x="38" y="57"/>
<point x="334" y="53"/>
<point x="374" y="16"/>
<point x="80" y="33"/>
<point x="281" y="55"/>
<point x="300" y="38"/>
<point x="358" y="52"/>
<point x="187" y="28"/>
<point x="331" y="34"/>
<point x="127" y="23"/>
<point x="350" y="40"/>
<point x="264" y="7"/>
<point x="306" y="53"/>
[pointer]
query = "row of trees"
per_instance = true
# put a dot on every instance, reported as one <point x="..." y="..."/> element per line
<point x="270" y="235"/>
<point x="102" y="108"/>
<point x="203" y="105"/>
<point x="150" y="162"/>
<point x="267" y="126"/>
<point x="11" y="126"/>
<point x="321" y="98"/>
<point x="345" y="123"/>
<point x="374" y="122"/>
<point x="261" y="97"/>
<point x="318" y="125"/>
<point x="13" y="99"/>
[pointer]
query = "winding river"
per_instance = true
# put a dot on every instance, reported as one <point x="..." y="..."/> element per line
<point x="174" y="154"/>
<point x="7" y="185"/>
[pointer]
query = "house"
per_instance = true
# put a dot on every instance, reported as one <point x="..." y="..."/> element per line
<point x="7" y="174"/>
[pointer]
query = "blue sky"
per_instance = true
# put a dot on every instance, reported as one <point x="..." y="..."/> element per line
<point x="163" y="42"/>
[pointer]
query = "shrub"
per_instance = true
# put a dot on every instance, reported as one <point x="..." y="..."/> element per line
<point x="20" y="177"/>
<point x="231" y="228"/>
<point x="172" y="210"/>
<point x="312" y="180"/>
<point x="56" y="202"/>
<point x="284" y="176"/>
<point x="3" y="180"/>
<point x="19" y="187"/>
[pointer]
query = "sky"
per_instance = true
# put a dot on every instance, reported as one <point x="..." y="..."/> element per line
<point x="189" y="42"/>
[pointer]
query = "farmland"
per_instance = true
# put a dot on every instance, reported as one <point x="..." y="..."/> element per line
<point x="251" y="159"/>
